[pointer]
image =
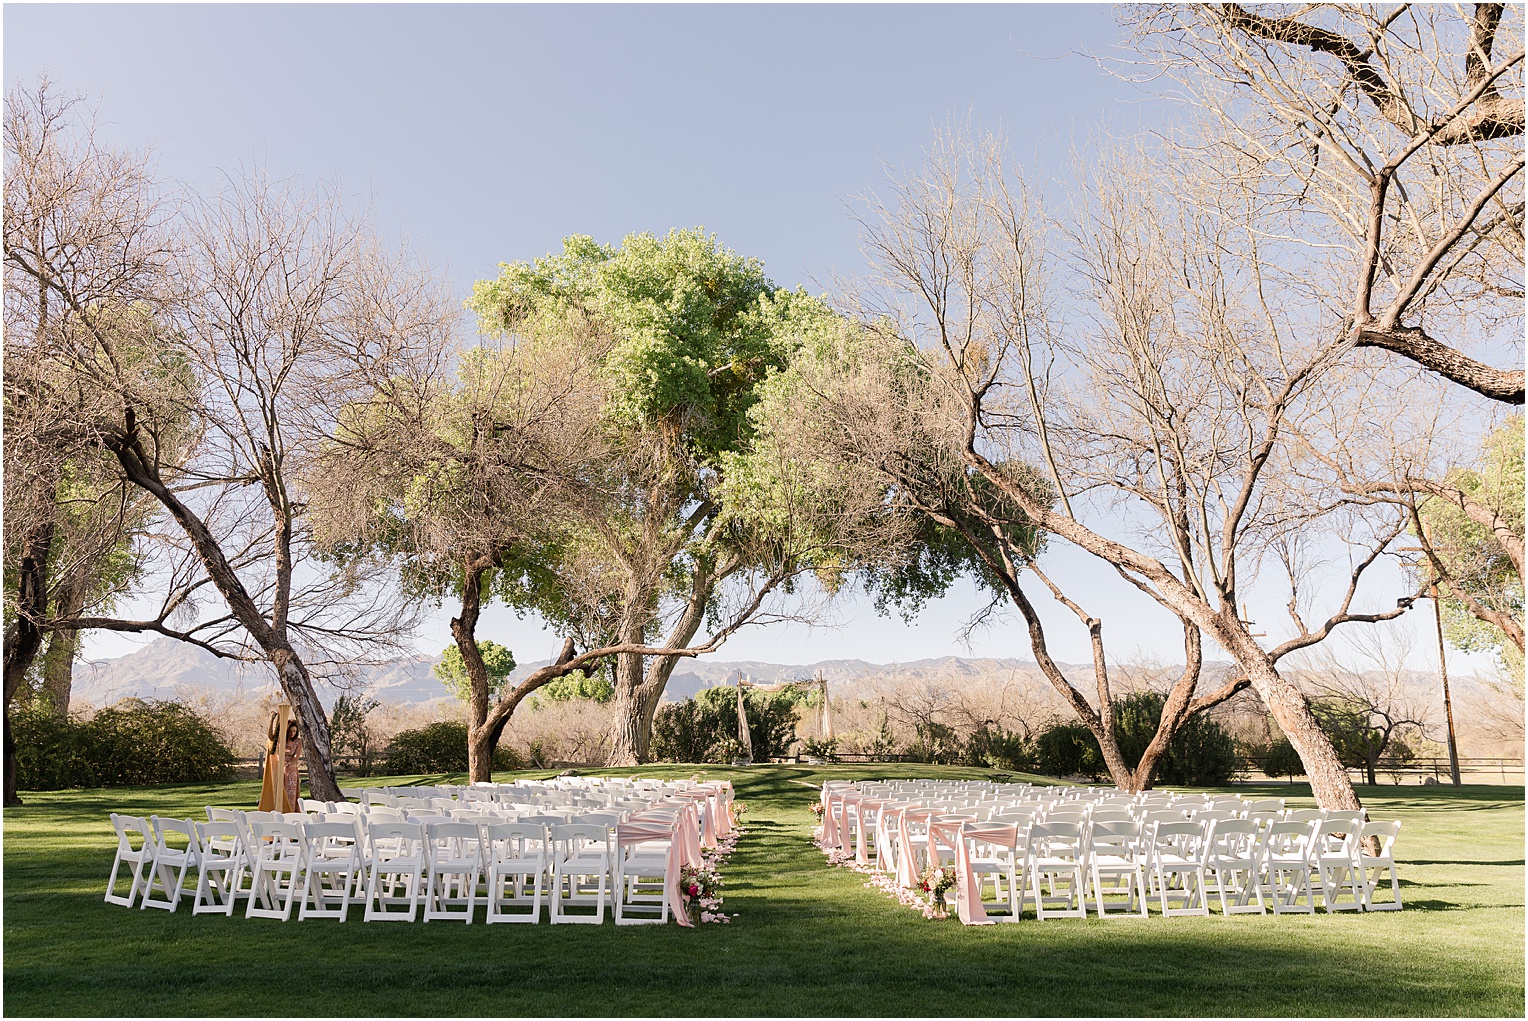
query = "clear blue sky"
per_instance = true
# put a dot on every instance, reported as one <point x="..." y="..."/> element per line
<point x="487" y="133"/>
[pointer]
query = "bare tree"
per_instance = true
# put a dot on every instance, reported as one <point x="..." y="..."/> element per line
<point x="1162" y="414"/>
<point x="1365" y="702"/>
<point x="214" y="372"/>
<point x="84" y="237"/>
<point x="1393" y="138"/>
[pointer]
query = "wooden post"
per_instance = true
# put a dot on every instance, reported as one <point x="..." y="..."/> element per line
<point x="827" y="710"/>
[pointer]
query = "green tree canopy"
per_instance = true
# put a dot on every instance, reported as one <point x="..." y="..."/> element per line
<point x="452" y="671"/>
<point x="1471" y="552"/>
<point x="687" y="333"/>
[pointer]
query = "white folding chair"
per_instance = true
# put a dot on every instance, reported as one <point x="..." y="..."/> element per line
<point x="1055" y="862"/>
<point x="1005" y="864"/>
<point x="222" y="858"/>
<point x="453" y="869"/>
<point x="139" y="859"/>
<point x="277" y="869"/>
<point x="1114" y="854"/>
<point x="334" y="868"/>
<point x="1371" y="867"/>
<point x="171" y="862"/>
<point x="1287" y="852"/>
<point x="517" y="858"/>
<point x="395" y="853"/>
<point x="580" y="873"/>
<point x="1233" y="862"/>
<point x="643" y="877"/>
<point x="1111" y="813"/>
<point x="1336" y="863"/>
<point x="1177" y="867"/>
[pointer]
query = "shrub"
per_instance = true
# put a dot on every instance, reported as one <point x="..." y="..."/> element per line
<point x="825" y="748"/>
<point x="135" y="742"/>
<point x="998" y="749"/>
<point x="1068" y="749"/>
<point x="1201" y="753"/>
<point x="698" y="729"/>
<point x="935" y="742"/>
<point x="1281" y="759"/>
<point x="439" y="747"/>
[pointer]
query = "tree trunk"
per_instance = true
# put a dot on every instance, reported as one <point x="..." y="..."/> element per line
<point x="1175" y="709"/>
<point x="662" y="667"/>
<point x="317" y="753"/>
<point x="63" y="647"/>
<point x="290" y="669"/>
<point x="487" y="737"/>
<point x="1329" y="782"/>
<point x="628" y="740"/>
<point x="23" y="638"/>
<point x="464" y="631"/>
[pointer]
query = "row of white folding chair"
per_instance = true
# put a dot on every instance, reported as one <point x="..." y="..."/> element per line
<point x="1186" y="861"/>
<point x="443" y="863"/>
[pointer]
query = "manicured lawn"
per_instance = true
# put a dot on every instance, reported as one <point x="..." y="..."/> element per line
<point x="809" y="940"/>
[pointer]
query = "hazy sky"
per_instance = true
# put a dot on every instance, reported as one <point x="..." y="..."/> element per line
<point x="487" y="133"/>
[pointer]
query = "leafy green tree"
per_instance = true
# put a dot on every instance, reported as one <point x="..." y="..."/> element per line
<point x="498" y="664"/>
<point x="661" y="545"/>
<point x="1473" y="527"/>
<point x="461" y="481"/>
<point x="704" y="728"/>
<point x="591" y="687"/>
<point x="350" y="730"/>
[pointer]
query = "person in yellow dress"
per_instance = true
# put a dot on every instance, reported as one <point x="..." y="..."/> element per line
<point x="290" y="751"/>
<point x="293" y="764"/>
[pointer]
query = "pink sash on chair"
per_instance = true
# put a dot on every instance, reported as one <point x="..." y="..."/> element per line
<point x="946" y="832"/>
<point x="861" y="852"/>
<point x="829" y="826"/>
<point x="907" y="854"/>
<point x="968" y="894"/>
<point x="721" y="806"/>
<point x="702" y="800"/>
<point x="629" y="833"/>
<point x="887" y="821"/>
<point x="850" y="802"/>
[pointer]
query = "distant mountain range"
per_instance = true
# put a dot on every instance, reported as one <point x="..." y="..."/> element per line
<point x="166" y="668"/>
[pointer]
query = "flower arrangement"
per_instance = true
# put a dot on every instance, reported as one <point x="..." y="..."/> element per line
<point x="700" y="886"/>
<point x="739" y="808"/>
<point x="935" y="880"/>
<point x="699" y="882"/>
<point x="817" y="809"/>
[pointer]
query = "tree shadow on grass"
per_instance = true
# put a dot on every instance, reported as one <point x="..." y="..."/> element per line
<point x="1457" y="861"/>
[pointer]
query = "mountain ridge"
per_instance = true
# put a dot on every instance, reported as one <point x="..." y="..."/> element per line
<point x="166" y="668"/>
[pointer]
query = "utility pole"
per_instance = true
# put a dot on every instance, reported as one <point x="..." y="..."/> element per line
<point x="1443" y="662"/>
<point x="1448" y="706"/>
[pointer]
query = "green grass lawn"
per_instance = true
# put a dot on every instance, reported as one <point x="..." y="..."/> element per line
<point x="809" y="939"/>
